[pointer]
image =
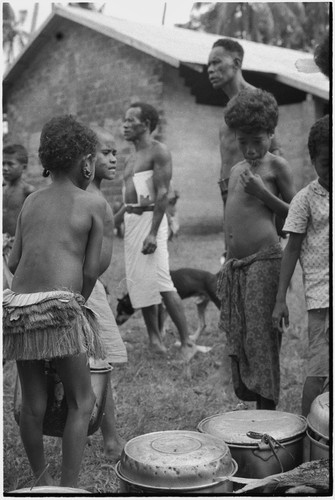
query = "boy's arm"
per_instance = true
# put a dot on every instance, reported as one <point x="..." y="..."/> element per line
<point x="253" y="184"/>
<point x="288" y="263"/>
<point x="107" y="241"/>
<point x="161" y="178"/>
<point x="15" y="254"/>
<point x="91" y="265"/>
<point x="119" y="215"/>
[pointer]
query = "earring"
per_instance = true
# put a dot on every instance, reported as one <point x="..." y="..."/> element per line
<point x="87" y="173"/>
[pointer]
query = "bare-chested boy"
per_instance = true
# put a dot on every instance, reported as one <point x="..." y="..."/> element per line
<point x="105" y="168"/>
<point x="249" y="279"/>
<point x="58" y="237"/>
<point x="15" y="191"/>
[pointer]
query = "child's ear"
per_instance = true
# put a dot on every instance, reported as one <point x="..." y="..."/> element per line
<point x="271" y="136"/>
<point x="87" y="166"/>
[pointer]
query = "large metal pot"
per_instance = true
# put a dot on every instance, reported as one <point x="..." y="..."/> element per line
<point x="318" y="427"/>
<point x="175" y="461"/>
<point x="56" y="412"/>
<point x="263" y="442"/>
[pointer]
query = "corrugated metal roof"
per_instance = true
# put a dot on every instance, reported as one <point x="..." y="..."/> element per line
<point x="177" y="45"/>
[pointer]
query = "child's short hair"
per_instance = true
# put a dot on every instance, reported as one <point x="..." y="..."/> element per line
<point x="318" y="136"/>
<point x="63" y="141"/>
<point x="148" y="112"/>
<point x="230" y="46"/>
<point x="252" y="109"/>
<point x="18" y="150"/>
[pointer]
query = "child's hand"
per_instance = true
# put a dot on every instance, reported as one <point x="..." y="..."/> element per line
<point x="280" y="316"/>
<point x="252" y="183"/>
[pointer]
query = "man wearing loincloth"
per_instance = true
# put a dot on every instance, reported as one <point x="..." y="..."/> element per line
<point x="147" y="179"/>
<point x="260" y="186"/>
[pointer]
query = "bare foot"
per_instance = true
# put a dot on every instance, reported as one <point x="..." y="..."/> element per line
<point x="113" y="449"/>
<point x="188" y="351"/>
<point x="157" y="347"/>
<point x="194" y="337"/>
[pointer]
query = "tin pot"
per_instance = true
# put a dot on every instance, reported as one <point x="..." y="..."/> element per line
<point x="318" y="417"/>
<point x="318" y="427"/>
<point x="175" y="461"/>
<point x="263" y="442"/>
<point x="56" y="412"/>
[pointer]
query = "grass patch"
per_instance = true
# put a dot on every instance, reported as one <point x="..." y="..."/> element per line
<point x="155" y="394"/>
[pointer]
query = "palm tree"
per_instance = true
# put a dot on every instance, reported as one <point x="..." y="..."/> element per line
<point x="295" y="25"/>
<point x="14" y="37"/>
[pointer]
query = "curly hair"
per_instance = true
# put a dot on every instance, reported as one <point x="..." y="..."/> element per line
<point x="148" y="112"/>
<point x="230" y="46"/>
<point x="321" y="55"/>
<point x="18" y="150"/>
<point x="318" y="136"/>
<point x="252" y="109"/>
<point x="63" y="141"/>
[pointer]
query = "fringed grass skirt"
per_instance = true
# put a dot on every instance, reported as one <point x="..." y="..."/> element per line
<point x="48" y="325"/>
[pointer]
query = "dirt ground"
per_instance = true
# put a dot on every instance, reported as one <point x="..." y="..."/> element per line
<point x="154" y="393"/>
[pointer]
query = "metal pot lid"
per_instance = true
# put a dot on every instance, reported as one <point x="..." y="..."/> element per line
<point x="233" y="426"/>
<point x="318" y="417"/>
<point x="176" y="460"/>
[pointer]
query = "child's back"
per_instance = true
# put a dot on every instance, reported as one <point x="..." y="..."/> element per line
<point x="56" y="253"/>
<point x="54" y="225"/>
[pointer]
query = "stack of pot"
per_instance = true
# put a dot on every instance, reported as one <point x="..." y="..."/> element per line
<point x="175" y="462"/>
<point x="318" y="427"/>
<point x="262" y="442"/>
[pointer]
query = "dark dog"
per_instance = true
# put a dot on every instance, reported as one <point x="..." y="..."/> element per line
<point x="189" y="282"/>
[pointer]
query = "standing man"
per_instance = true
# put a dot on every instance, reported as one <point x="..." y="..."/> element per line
<point x="147" y="179"/>
<point x="225" y="73"/>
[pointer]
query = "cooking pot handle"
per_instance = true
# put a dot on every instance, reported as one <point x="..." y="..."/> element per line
<point x="267" y="442"/>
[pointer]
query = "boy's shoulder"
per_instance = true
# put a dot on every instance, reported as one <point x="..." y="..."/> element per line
<point x="94" y="201"/>
<point x="235" y="169"/>
<point x="28" y="188"/>
<point x="310" y="190"/>
<point x="279" y="163"/>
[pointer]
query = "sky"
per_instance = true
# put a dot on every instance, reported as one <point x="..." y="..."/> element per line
<point x="146" y="11"/>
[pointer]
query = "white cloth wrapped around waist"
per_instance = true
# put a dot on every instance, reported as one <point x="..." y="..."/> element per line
<point x="109" y="332"/>
<point x="147" y="275"/>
